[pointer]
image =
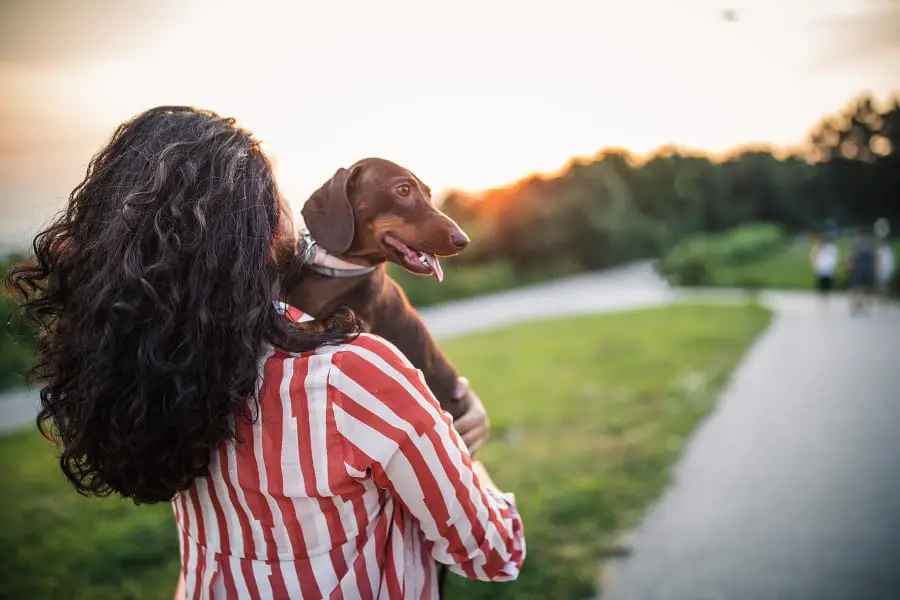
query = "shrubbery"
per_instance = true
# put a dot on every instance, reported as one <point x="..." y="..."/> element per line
<point x="695" y="260"/>
<point x="16" y="340"/>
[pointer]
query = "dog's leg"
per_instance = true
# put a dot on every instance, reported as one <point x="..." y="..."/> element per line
<point x="395" y="319"/>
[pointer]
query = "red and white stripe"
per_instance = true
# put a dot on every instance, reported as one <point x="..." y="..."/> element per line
<point x="350" y="483"/>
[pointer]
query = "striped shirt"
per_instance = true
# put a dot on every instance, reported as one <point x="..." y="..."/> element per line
<point x="350" y="483"/>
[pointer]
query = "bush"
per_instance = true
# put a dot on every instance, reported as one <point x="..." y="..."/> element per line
<point x="749" y="243"/>
<point x="695" y="260"/>
<point x="16" y="339"/>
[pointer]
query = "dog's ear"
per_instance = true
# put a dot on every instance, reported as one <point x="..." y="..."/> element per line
<point x="329" y="215"/>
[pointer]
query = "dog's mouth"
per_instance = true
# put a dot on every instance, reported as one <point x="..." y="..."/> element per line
<point x="414" y="261"/>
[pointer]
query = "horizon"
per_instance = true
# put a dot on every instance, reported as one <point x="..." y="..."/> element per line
<point x="470" y="98"/>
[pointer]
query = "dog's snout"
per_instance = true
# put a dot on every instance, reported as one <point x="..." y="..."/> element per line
<point x="459" y="239"/>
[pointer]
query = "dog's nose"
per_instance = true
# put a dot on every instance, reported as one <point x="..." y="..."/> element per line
<point x="459" y="239"/>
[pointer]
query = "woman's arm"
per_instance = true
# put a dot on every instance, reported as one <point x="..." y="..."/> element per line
<point x="180" y="590"/>
<point x="393" y="427"/>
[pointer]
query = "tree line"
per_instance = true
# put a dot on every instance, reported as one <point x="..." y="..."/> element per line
<point x="616" y="207"/>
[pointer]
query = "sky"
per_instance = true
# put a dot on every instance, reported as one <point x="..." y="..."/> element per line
<point x="468" y="94"/>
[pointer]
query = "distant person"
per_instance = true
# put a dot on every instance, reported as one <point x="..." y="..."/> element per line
<point x="825" y="257"/>
<point x="861" y="270"/>
<point x="884" y="268"/>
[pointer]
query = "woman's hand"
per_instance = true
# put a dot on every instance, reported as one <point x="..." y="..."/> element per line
<point x="473" y="426"/>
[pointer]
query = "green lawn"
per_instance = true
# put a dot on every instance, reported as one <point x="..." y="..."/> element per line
<point x="60" y="545"/>
<point x="588" y="415"/>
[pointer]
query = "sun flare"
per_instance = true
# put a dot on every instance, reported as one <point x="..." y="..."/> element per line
<point x="469" y="97"/>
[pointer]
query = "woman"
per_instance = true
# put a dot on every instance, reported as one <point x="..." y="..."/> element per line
<point x="302" y="460"/>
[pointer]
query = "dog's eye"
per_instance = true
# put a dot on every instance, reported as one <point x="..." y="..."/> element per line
<point x="403" y="189"/>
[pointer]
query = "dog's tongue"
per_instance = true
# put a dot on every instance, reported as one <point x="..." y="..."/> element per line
<point x="431" y="261"/>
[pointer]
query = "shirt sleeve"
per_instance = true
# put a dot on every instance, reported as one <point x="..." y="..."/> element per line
<point x="393" y="428"/>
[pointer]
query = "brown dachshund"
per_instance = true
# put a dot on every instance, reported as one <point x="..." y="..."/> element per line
<point x="374" y="212"/>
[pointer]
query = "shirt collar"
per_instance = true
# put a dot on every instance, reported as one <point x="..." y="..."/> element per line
<point x="292" y="312"/>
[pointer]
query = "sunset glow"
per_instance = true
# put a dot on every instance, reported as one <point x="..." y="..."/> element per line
<point x="469" y="97"/>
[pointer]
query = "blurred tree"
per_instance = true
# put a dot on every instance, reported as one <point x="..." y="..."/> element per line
<point x="613" y="208"/>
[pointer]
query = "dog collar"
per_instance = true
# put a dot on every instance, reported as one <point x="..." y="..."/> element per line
<point x="317" y="259"/>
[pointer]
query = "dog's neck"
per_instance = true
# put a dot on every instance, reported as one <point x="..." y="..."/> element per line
<point x="321" y="261"/>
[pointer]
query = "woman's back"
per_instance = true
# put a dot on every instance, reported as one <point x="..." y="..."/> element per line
<point x="326" y="488"/>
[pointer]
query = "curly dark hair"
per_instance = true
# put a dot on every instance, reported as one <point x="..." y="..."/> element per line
<point x="154" y="292"/>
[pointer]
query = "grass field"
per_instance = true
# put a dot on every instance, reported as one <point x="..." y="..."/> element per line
<point x="588" y="415"/>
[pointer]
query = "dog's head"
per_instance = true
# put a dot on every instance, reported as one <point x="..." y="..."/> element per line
<point x="376" y="211"/>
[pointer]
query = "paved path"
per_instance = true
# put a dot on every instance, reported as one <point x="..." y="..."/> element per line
<point x="791" y="488"/>
<point x="628" y="287"/>
<point x="17" y="409"/>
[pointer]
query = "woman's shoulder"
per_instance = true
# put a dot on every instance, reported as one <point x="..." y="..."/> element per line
<point x="365" y="345"/>
<point x="367" y="349"/>
<point x="364" y="362"/>
<point x="361" y="356"/>
<point x="370" y="372"/>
